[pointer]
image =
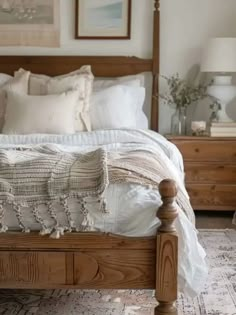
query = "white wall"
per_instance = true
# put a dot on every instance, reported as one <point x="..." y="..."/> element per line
<point x="185" y="27"/>
<point x="140" y="44"/>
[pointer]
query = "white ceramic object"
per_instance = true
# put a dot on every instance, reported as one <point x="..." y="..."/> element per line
<point x="198" y="127"/>
<point x="219" y="57"/>
<point x="224" y="92"/>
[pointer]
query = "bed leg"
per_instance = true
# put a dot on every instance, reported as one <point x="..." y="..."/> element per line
<point x="167" y="252"/>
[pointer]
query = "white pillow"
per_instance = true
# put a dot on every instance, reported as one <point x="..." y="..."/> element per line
<point x="142" y="120"/>
<point x="19" y="85"/>
<point x="81" y="80"/>
<point x="4" y="78"/>
<point x="99" y="85"/>
<point x="27" y="114"/>
<point x="130" y="80"/>
<point x="116" y="107"/>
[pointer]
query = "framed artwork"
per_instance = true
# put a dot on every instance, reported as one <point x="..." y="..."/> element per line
<point x="30" y="23"/>
<point x="103" y="19"/>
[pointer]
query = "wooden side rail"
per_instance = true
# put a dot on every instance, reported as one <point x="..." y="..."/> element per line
<point x="167" y="252"/>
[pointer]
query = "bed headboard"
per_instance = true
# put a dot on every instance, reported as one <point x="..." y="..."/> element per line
<point x="103" y="66"/>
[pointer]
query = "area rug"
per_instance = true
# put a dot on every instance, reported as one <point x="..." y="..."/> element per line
<point x="217" y="298"/>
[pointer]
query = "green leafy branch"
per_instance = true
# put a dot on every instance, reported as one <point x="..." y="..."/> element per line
<point x="181" y="94"/>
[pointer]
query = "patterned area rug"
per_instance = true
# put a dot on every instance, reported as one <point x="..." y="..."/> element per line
<point x="218" y="297"/>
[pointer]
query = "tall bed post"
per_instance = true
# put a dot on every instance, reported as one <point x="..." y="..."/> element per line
<point x="155" y="66"/>
<point x="167" y="251"/>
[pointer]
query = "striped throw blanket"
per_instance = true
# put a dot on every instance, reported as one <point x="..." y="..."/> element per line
<point x="46" y="175"/>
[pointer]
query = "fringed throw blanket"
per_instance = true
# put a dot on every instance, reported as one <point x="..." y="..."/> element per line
<point x="45" y="175"/>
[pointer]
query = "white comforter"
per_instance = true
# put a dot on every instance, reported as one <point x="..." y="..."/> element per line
<point x="132" y="208"/>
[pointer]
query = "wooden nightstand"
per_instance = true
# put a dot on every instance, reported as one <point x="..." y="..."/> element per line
<point x="210" y="167"/>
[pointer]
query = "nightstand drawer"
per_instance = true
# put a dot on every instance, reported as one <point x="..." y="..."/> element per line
<point x="212" y="197"/>
<point x="201" y="150"/>
<point x="210" y="173"/>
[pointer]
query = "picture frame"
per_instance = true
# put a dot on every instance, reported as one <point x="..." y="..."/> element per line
<point x="103" y="19"/>
<point x="33" y="23"/>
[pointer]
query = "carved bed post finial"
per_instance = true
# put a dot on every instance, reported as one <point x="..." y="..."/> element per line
<point x="167" y="251"/>
<point x="157" y="5"/>
<point x="167" y="213"/>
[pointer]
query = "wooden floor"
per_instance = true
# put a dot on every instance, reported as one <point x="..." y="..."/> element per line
<point x="214" y="220"/>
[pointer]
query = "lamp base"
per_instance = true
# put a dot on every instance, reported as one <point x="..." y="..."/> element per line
<point x="224" y="92"/>
<point x="222" y="115"/>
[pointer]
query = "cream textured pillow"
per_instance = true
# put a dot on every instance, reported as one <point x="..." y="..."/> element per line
<point x="18" y="84"/>
<point x="27" y="114"/>
<point x="81" y="80"/>
<point x="78" y="83"/>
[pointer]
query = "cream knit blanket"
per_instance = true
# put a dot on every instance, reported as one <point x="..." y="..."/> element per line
<point x="144" y="168"/>
<point x="45" y="175"/>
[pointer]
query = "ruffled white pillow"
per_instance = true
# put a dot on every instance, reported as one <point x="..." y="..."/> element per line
<point x="27" y="114"/>
<point x="81" y="80"/>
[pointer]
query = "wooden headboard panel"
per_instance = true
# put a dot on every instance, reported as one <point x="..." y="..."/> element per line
<point x="105" y="66"/>
<point x="102" y="66"/>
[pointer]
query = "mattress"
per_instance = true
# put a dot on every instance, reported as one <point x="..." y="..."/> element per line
<point x="132" y="208"/>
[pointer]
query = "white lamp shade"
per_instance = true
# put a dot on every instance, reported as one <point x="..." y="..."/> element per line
<point x="219" y="55"/>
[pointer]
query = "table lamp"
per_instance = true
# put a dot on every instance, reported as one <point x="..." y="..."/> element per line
<point x="219" y="57"/>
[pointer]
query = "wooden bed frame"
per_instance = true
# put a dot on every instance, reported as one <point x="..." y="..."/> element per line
<point x="97" y="260"/>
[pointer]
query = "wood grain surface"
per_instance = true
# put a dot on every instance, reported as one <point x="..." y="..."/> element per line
<point x="167" y="251"/>
<point x="210" y="166"/>
<point x="73" y="241"/>
<point x="32" y="270"/>
<point x="122" y="269"/>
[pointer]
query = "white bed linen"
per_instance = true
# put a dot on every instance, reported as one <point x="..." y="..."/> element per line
<point x="138" y="80"/>
<point x="118" y="106"/>
<point x="132" y="207"/>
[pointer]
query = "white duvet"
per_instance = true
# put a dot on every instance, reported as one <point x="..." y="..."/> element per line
<point x="132" y="208"/>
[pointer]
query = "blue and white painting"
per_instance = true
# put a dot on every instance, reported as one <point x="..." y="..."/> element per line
<point x="106" y="14"/>
<point x="103" y="18"/>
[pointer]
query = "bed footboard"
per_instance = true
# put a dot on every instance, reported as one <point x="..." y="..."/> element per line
<point x="97" y="260"/>
<point x="167" y="252"/>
